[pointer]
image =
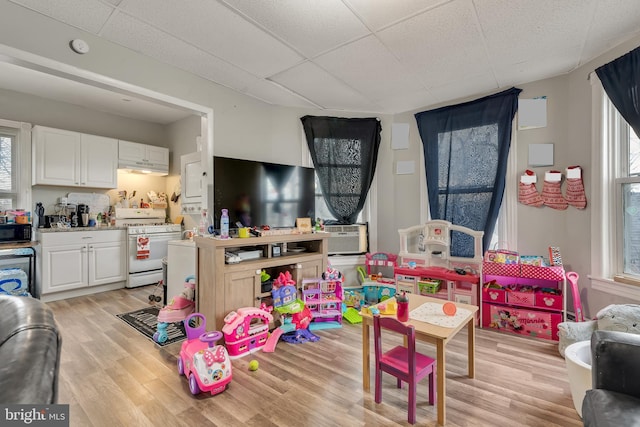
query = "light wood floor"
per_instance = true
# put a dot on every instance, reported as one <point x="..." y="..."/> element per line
<point x="112" y="376"/>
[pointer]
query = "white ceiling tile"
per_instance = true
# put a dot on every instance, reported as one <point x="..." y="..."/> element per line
<point x="528" y="29"/>
<point x="617" y="22"/>
<point x="380" y="13"/>
<point x="408" y="101"/>
<point x="441" y="45"/>
<point x="323" y="89"/>
<point x="469" y="86"/>
<point x="311" y="26"/>
<point x="89" y="15"/>
<point x="273" y="93"/>
<point x="528" y="71"/>
<point x="214" y="28"/>
<point x="143" y="38"/>
<point x="370" y="68"/>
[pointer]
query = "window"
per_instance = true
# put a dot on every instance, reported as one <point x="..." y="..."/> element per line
<point x="628" y="180"/>
<point x="323" y="212"/>
<point x="8" y="185"/>
<point x="615" y="220"/>
<point x="466" y="151"/>
<point x="15" y="155"/>
<point x="344" y="153"/>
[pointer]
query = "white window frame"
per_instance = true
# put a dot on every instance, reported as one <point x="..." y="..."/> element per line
<point x="606" y="206"/>
<point x="21" y="162"/>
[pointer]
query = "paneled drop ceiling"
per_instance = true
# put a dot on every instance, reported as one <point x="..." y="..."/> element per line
<point x="384" y="56"/>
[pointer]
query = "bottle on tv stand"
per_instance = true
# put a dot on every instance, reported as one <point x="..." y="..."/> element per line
<point x="203" y="228"/>
<point x="224" y="224"/>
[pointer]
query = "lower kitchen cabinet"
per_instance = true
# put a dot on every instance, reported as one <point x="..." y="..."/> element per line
<point x="79" y="259"/>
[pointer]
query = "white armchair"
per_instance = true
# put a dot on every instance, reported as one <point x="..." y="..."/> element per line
<point x="615" y="317"/>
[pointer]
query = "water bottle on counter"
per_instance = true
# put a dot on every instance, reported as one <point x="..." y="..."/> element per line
<point x="224" y="224"/>
<point x="203" y="227"/>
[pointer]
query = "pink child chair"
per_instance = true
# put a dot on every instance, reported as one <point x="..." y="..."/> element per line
<point x="404" y="363"/>
<point x="573" y="277"/>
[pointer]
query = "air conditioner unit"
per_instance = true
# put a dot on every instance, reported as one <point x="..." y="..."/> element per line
<point x="347" y="239"/>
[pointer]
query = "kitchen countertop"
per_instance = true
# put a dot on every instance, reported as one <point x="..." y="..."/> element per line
<point x="73" y="229"/>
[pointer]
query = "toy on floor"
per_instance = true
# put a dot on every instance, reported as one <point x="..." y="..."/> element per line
<point x="206" y="365"/>
<point x="178" y="308"/>
<point x="156" y="296"/>
<point x="246" y="330"/>
<point x="352" y="316"/>
<point x="295" y="316"/>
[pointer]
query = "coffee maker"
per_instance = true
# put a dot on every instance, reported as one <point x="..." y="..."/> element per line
<point x="83" y="215"/>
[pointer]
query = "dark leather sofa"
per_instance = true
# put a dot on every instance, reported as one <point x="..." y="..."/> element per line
<point x="29" y="351"/>
<point x="615" y="397"/>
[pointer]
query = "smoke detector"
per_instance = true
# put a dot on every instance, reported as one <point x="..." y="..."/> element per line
<point x="79" y="46"/>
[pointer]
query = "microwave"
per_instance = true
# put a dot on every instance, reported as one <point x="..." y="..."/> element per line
<point x="15" y="233"/>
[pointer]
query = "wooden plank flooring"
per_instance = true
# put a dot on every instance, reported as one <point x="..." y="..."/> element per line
<point x="112" y="376"/>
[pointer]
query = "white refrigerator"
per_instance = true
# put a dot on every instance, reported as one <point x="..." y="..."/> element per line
<point x="181" y="263"/>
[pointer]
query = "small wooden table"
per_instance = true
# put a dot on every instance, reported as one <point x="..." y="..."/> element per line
<point x="433" y="334"/>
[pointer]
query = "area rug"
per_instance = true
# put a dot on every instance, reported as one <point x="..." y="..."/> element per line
<point x="145" y="321"/>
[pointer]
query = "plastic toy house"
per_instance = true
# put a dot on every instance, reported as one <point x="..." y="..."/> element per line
<point x="284" y="295"/>
<point x="246" y="330"/>
<point x="324" y="299"/>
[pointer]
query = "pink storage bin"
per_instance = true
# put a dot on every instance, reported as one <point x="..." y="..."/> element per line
<point x="535" y="324"/>
<point x="521" y="298"/>
<point x="494" y="295"/>
<point x="549" y="301"/>
<point x="543" y="273"/>
<point x="496" y="269"/>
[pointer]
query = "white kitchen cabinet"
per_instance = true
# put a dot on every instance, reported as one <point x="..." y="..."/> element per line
<point x="79" y="259"/>
<point x="74" y="159"/>
<point x="133" y="155"/>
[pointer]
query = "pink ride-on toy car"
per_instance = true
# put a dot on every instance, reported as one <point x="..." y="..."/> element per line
<point x="206" y="365"/>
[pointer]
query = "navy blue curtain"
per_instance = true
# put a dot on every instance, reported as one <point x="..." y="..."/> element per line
<point x="621" y="80"/>
<point x="344" y="153"/>
<point x="465" y="150"/>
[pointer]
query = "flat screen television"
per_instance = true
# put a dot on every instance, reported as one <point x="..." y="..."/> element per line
<point x="260" y="193"/>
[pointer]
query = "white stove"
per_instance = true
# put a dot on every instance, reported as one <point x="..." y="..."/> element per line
<point x="152" y="228"/>
<point x="148" y="242"/>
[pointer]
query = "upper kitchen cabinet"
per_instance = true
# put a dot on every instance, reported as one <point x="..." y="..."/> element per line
<point x="74" y="159"/>
<point x="142" y="157"/>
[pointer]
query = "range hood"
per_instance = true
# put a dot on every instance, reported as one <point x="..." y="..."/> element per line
<point x="143" y="159"/>
<point x="141" y="167"/>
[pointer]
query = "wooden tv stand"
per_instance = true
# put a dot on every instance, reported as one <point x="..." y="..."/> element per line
<point x="222" y="287"/>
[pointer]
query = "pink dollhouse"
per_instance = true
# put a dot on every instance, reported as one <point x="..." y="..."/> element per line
<point x="323" y="298"/>
<point x="246" y="330"/>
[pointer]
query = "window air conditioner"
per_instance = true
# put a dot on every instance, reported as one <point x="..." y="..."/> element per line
<point x="347" y="239"/>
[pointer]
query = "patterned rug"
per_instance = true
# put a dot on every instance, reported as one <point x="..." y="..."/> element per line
<point x="145" y="321"/>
